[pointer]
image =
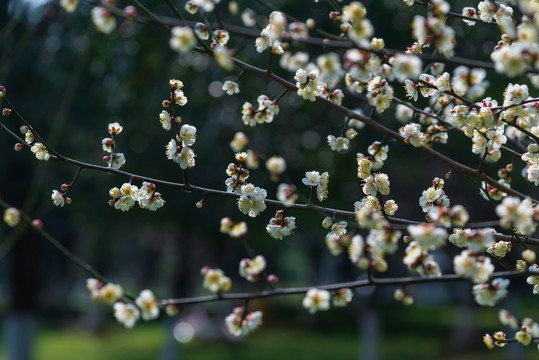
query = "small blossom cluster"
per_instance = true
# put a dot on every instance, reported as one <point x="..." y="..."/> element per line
<point x="434" y="29"/>
<point x="38" y="149"/>
<point x="309" y="87"/>
<point x="477" y="268"/>
<point x="237" y="176"/>
<point x="355" y="24"/>
<point x="418" y="259"/>
<point x="318" y="183"/>
<point x="368" y="215"/>
<point x="448" y="216"/>
<point x="103" y="19"/>
<point x="319" y="300"/>
<point x="265" y="112"/>
<point x="526" y="330"/>
<point x="434" y="196"/>
<point x="237" y="323"/>
<point x="60" y="198"/>
<point x="281" y="226"/>
<point x="518" y="213"/>
<point x="252" y="269"/>
<point x="125" y="197"/>
<point x="372" y="252"/>
<point x="270" y="36"/>
<point x="114" y="160"/>
<point x="489" y="294"/>
<point x="379" y="93"/>
<point x="336" y="239"/>
<point x="215" y="280"/>
<point x="234" y="230"/>
<point x="252" y="199"/>
<point x="477" y="240"/>
<point x="126" y="314"/>
<point x="377" y="183"/>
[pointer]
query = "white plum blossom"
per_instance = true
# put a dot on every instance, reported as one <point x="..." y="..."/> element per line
<point x="126" y="314"/>
<point x="251" y="201"/>
<point x="182" y="39"/>
<point x="147" y="304"/>
<point x="40" y="151"/>
<point x="165" y="119"/>
<point x="231" y="87"/>
<point x="103" y="20"/>
<point x="309" y="87"/>
<point x="237" y="324"/>
<point x="252" y="269"/>
<point x="281" y="226"/>
<point x="338" y="143"/>
<point x="316" y="300"/>
<point x="428" y="236"/>
<point x="57" y="198"/>
<point x="342" y="297"/>
<point x="215" y="280"/>
<point x="490" y="294"/>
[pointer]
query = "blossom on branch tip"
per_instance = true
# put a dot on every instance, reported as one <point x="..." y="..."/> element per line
<point x="489" y="294"/>
<point x="57" y="198"/>
<point x="115" y="128"/>
<point x="231" y="87"/>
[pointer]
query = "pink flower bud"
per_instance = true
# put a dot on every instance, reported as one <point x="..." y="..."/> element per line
<point x="130" y="11"/>
<point x="2" y="92"/>
<point x="6" y="112"/>
<point x="24" y="129"/>
<point x="106" y="159"/>
<point x="200" y="204"/>
<point x="335" y="16"/>
<point x="68" y="200"/>
<point x="65" y="187"/>
<point x="18" y="146"/>
<point x="37" y="223"/>
<point x="273" y="279"/>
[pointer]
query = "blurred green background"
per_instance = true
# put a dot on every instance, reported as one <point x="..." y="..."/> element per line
<point x="69" y="82"/>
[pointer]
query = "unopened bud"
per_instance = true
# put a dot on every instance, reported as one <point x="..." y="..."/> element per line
<point x="37" y="223"/>
<point x="233" y="7"/>
<point x="528" y="256"/>
<point x="399" y="294"/>
<point x="335" y="16"/>
<point x="379" y="265"/>
<point x="199" y="204"/>
<point x="172" y="310"/>
<point x="509" y="167"/>
<point x="273" y="279"/>
<point x="406" y="239"/>
<point x="327" y="222"/>
<point x="177" y="119"/>
<point x="106" y="159"/>
<point x="2" y="92"/>
<point x="310" y="24"/>
<point x="65" y="187"/>
<point x="6" y="112"/>
<point x="130" y="11"/>
<point x="408" y="300"/>
<point x="68" y="200"/>
<point x="24" y="129"/>
<point x="18" y="146"/>
<point x="165" y="103"/>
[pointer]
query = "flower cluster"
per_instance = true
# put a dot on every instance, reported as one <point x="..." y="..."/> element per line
<point x="417" y="258"/>
<point x="252" y="269"/>
<point x="434" y="196"/>
<point x="125" y="197"/>
<point x="489" y="294"/>
<point x="447" y="217"/>
<point x="476" y="240"/>
<point x="309" y="87"/>
<point x="265" y="112"/>
<point x="521" y="214"/>
<point x="252" y="200"/>
<point x="318" y="182"/>
<point x="234" y="230"/>
<point x="477" y="268"/>
<point x="270" y="36"/>
<point x="379" y="93"/>
<point x="115" y="160"/>
<point x="215" y="280"/>
<point x="237" y="323"/>
<point x="281" y="226"/>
